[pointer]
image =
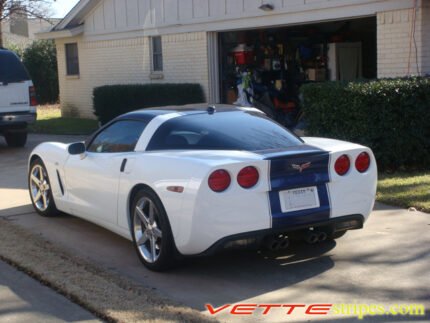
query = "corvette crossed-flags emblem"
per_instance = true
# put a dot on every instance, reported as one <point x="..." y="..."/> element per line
<point x="301" y="167"/>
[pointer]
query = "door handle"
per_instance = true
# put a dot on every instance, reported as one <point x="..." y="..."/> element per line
<point x="124" y="163"/>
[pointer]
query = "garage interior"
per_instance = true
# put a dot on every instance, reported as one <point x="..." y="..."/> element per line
<point x="279" y="60"/>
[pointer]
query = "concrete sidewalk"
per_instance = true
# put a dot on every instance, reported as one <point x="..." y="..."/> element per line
<point x="23" y="299"/>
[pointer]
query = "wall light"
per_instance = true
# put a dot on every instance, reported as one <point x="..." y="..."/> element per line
<point x="266" y="7"/>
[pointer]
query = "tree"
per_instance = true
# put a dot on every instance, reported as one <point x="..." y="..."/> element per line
<point x="40" y="58"/>
<point x="25" y="8"/>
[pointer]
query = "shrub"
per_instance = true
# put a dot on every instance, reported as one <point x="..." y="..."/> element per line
<point x="111" y="101"/>
<point x="17" y="49"/>
<point x="391" y="116"/>
<point x="40" y="58"/>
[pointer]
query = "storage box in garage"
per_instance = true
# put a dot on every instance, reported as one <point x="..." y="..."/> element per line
<point x="316" y="74"/>
<point x="243" y="55"/>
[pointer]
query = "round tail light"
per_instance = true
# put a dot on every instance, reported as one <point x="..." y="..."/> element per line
<point x="219" y="180"/>
<point x="362" y="163"/>
<point x="342" y="165"/>
<point x="248" y="177"/>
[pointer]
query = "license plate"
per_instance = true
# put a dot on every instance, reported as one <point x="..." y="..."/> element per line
<point x="299" y="199"/>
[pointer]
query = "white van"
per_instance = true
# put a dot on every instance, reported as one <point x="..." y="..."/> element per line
<point x="17" y="99"/>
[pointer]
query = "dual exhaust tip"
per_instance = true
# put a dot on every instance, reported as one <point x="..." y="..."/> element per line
<point x="281" y="242"/>
<point x="275" y="243"/>
<point x="313" y="237"/>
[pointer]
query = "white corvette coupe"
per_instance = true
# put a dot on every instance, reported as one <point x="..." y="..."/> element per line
<point x="190" y="180"/>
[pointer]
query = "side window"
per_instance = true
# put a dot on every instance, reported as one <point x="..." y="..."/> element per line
<point x="72" y="59"/>
<point x="11" y="68"/>
<point x="120" y="137"/>
<point x="157" y="54"/>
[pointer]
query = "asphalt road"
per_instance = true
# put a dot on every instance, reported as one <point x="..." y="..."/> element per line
<point x="386" y="263"/>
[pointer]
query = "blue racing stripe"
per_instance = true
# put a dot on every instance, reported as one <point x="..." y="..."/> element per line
<point x="285" y="174"/>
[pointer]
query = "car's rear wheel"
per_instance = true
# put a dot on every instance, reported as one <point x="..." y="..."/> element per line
<point x="152" y="236"/>
<point x="40" y="189"/>
<point x="16" y="139"/>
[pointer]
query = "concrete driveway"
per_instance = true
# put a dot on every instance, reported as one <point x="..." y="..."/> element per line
<point x="23" y="299"/>
<point x="386" y="263"/>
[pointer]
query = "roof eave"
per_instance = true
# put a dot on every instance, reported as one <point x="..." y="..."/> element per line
<point x="76" y="15"/>
<point x="65" y="33"/>
<point x="72" y="14"/>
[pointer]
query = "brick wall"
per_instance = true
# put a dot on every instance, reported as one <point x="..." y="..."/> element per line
<point x="185" y="58"/>
<point x="128" y="61"/>
<point x="425" y="38"/>
<point x="394" y="34"/>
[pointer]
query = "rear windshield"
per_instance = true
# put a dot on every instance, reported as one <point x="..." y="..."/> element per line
<point x="222" y="131"/>
<point x="11" y="68"/>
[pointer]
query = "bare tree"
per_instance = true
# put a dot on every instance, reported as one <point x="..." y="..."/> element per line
<point x="28" y="8"/>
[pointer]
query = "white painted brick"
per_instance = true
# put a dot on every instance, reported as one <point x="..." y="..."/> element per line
<point x="393" y="37"/>
<point x="127" y="61"/>
<point x="186" y="58"/>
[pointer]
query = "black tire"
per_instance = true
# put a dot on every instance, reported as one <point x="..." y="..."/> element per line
<point x="44" y="187"/>
<point x="167" y="255"/>
<point x="16" y="139"/>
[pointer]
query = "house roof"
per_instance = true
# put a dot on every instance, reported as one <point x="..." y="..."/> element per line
<point x="72" y="24"/>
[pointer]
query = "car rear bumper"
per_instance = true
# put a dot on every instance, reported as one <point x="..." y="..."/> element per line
<point x="17" y="119"/>
<point x="344" y="223"/>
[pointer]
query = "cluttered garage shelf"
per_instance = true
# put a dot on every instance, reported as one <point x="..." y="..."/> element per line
<point x="266" y="67"/>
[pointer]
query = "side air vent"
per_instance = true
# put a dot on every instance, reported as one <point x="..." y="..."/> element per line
<point x="60" y="182"/>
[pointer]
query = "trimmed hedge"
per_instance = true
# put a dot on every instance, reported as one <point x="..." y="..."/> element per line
<point x="111" y="101"/>
<point x="391" y="116"/>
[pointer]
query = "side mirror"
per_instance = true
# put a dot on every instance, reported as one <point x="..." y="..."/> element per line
<point x="77" y="148"/>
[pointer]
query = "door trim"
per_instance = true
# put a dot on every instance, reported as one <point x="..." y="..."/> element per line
<point x="213" y="65"/>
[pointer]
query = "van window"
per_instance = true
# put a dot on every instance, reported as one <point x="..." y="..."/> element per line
<point x="11" y="68"/>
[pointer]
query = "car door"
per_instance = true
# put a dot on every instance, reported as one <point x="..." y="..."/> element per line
<point x="92" y="179"/>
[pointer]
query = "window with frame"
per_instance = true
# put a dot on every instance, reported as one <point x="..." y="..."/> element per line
<point x="157" y="54"/>
<point x="72" y="59"/>
<point x="120" y="137"/>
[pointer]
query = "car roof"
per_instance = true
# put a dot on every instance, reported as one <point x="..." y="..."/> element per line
<point x="6" y="51"/>
<point x="150" y="113"/>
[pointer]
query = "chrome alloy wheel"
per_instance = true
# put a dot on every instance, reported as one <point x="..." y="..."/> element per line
<point x="147" y="233"/>
<point x="40" y="188"/>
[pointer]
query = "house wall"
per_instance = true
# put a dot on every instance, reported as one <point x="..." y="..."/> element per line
<point x="34" y="26"/>
<point x="127" y="61"/>
<point x="425" y="38"/>
<point x="172" y="16"/>
<point x="397" y="55"/>
<point x="114" y="47"/>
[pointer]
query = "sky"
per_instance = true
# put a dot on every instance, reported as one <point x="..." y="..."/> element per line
<point x="61" y="7"/>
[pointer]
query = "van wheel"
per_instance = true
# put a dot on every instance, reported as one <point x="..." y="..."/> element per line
<point x="16" y="139"/>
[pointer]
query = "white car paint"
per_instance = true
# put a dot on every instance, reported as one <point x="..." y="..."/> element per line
<point x="95" y="189"/>
<point x="355" y="191"/>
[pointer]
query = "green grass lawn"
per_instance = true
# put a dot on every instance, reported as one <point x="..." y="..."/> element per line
<point x="49" y="121"/>
<point x="405" y="190"/>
